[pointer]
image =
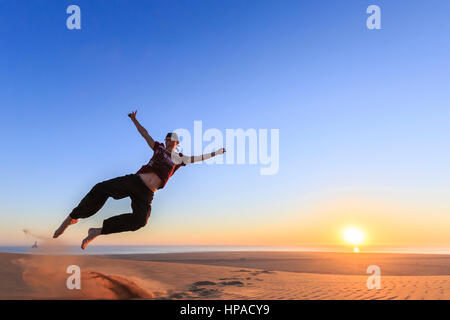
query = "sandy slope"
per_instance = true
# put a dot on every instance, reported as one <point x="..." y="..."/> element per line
<point x="39" y="276"/>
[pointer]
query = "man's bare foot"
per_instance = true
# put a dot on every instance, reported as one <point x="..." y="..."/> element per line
<point x="66" y="223"/>
<point x="92" y="234"/>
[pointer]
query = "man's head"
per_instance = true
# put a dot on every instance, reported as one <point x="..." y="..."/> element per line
<point x="171" y="141"/>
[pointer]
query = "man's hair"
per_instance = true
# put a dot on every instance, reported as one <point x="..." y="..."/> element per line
<point x="172" y="136"/>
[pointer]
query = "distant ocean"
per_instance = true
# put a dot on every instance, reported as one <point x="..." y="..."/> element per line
<point x="120" y="249"/>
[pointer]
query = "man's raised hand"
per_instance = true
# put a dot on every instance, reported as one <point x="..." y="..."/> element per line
<point x="132" y="115"/>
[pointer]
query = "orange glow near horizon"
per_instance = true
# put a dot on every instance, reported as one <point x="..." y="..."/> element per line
<point x="318" y="221"/>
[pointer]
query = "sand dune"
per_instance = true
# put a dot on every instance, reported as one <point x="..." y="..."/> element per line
<point x="312" y="262"/>
<point x="44" y="277"/>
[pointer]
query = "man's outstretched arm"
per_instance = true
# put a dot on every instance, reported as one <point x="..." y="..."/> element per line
<point x="142" y="130"/>
<point x="192" y="159"/>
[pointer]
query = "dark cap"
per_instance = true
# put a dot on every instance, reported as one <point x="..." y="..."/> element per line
<point x="172" y="136"/>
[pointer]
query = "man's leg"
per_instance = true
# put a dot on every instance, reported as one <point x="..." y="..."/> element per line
<point x="125" y="222"/>
<point x="130" y="221"/>
<point x="117" y="188"/>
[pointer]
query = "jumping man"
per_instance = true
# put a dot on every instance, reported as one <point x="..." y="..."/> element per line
<point x="140" y="187"/>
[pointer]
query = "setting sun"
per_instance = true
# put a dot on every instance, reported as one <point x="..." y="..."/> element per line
<point x="353" y="236"/>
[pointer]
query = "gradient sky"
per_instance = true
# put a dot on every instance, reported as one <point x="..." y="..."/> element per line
<point x="363" y="117"/>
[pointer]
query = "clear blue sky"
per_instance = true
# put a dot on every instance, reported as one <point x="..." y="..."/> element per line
<point x="357" y="109"/>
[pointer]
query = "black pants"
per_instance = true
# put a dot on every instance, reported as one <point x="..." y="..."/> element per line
<point x="130" y="185"/>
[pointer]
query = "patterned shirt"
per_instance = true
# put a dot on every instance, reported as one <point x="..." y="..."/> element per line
<point x="162" y="163"/>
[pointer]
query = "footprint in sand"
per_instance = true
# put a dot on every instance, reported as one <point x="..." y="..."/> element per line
<point x="231" y="283"/>
<point x="203" y="292"/>
<point x="204" y="283"/>
<point x="178" y="295"/>
<point x="196" y="289"/>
